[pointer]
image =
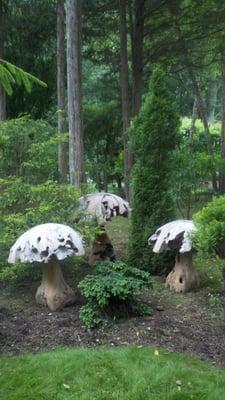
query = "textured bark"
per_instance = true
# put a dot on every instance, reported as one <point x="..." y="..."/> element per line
<point x="2" y="91"/>
<point x="137" y="36"/>
<point x="74" y="89"/>
<point x="124" y="81"/>
<point x="222" y="134"/>
<point x="193" y="118"/>
<point x="212" y="100"/>
<point x="54" y="291"/>
<point x="183" y="277"/>
<point x="63" y="145"/>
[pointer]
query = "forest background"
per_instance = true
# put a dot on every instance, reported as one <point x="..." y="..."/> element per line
<point x="118" y="46"/>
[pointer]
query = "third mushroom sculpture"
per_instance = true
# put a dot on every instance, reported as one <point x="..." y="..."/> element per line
<point x="104" y="206"/>
<point x="176" y="235"/>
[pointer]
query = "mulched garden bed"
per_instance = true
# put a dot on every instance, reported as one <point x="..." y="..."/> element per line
<point x="186" y="328"/>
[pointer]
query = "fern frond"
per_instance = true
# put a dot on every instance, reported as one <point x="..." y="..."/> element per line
<point x="11" y="74"/>
<point x="6" y="79"/>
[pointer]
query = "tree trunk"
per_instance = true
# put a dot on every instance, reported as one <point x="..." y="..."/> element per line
<point x="212" y="100"/>
<point x="222" y="172"/>
<point x="102" y="249"/>
<point x="124" y="81"/>
<point x="63" y="145"/>
<point x="193" y="118"/>
<point x="203" y="115"/>
<point x="137" y="36"/>
<point x="74" y="88"/>
<point x="2" y="91"/>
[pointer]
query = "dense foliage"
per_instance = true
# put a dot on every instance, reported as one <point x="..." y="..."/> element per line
<point x="154" y="137"/>
<point x="28" y="149"/>
<point x="210" y="236"/>
<point x="111" y="292"/>
<point x="103" y="144"/>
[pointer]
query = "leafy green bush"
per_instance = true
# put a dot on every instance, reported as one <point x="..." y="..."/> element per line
<point x="111" y="292"/>
<point x="28" y="149"/>
<point x="154" y="135"/>
<point x="210" y="235"/>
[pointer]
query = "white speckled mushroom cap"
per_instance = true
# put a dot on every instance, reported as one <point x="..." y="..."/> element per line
<point x="104" y="205"/>
<point x="174" y="235"/>
<point x="42" y="242"/>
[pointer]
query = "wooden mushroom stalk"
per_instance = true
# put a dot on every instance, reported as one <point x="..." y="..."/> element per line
<point x="176" y="235"/>
<point x="47" y="244"/>
<point x="104" y="206"/>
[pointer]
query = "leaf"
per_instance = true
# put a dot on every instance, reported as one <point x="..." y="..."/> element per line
<point x="66" y="386"/>
<point x="10" y="73"/>
<point x="156" y="353"/>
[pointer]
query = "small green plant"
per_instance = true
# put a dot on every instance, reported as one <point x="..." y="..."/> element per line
<point x="111" y="292"/>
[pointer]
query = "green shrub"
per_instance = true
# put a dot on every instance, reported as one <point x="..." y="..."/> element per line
<point x="111" y="292"/>
<point x="154" y="134"/>
<point x="210" y="235"/>
<point x="28" y="149"/>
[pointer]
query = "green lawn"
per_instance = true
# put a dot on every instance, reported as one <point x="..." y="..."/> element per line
<point x="128" y="373"/>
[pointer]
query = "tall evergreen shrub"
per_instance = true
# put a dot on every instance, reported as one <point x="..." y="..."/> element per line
<point x="154" y="135"/>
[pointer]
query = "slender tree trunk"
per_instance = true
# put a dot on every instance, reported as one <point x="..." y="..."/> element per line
<point x="137" y="36"/>
<point x="63" y="145"/>
<point x="203" y="115"/>
<point x="74" y="88"/>
<point x="124" y="81"/>
<point x="2" y="91"/>
<point x="212" y="100"/>
<point x="193" y="118"/>
<point x="222" y="172"/>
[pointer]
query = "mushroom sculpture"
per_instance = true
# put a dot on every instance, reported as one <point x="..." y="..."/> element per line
<point x="104" y="206"/>
<point x="176" y="235"/>
<point x="46" y="244"/>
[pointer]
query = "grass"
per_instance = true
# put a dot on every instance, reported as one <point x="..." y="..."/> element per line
<point x="128" y="373"/>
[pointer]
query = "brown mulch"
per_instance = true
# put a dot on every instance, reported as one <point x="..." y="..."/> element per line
<point x="186" y="328"/>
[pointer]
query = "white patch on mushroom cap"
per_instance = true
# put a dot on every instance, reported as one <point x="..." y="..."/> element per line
<point x="92" y="205"/>
<point x="42" y="242"/>
<point x="104" y="205"/>
<point x="175" y="234"/>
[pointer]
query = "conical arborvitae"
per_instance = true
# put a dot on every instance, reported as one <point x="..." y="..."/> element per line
<point x="154" y="134"/>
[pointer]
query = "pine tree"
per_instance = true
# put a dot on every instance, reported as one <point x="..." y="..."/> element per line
<point x="154" y="137"/>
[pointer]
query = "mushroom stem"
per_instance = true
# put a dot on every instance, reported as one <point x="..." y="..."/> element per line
<point x="183" y="277"/>
<point x="102" y="249"/>
<point x="54" y="291"/>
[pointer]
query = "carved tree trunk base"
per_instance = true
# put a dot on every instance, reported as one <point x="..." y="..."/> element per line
<point x="54" y="291"/>
<point x="102" y="249"/>
<point x="183" y="277"/>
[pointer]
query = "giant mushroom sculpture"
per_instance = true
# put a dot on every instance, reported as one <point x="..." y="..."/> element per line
<point x="104" y="206"/>
<point x="46" y="244"/>
<point x="176" y="235"/>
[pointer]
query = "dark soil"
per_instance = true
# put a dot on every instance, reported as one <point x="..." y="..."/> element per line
<point x="185" y="324"/>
